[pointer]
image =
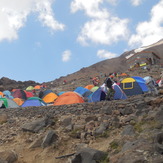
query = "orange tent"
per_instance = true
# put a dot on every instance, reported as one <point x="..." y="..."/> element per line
<point x="19" y="101"/>
<point x="69" y="98"/>
<point x="90" y="86"/>
<point x="13" y="90"/>
<point x="1" y="94"/>
<point x="123" y="74"/>
<point x="37" y="87"/>
<point x="50" y="97"/>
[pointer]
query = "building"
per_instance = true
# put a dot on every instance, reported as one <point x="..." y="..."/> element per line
<point x="143" y="58"/>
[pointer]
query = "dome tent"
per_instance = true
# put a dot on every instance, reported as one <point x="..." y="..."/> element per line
<point x="8" y="103"/>
<point x="69" y="98"/>
<point x="33" y="101"/>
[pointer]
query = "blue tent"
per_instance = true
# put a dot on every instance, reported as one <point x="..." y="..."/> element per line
<point x="133" y="86"/>
<point x="119" y="94"/>
<point x="33" y="101"/>
<point x="60" y="93"/>
<point x="83" y="91"/>
<point x="96" y="96"/>
<point x="142" y="83"/>
<point x="8" y="94"/>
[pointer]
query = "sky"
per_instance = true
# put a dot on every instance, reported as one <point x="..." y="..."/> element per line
<point x="42" y="40"/>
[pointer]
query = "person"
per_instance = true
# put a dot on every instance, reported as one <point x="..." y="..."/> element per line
<point x="96" y="81"/>
<point x="161" y="80"/>
<point x="110" y="91"/>
<point x="64" y="82"/>
<point x="151" y="86"/>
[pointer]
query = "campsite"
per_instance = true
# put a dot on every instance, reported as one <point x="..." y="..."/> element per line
<point x="81" y="81"/>
<point x="47" y="123"/>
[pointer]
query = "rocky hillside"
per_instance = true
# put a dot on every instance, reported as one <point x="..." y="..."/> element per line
<point x="107" y="66"/>
<point x="123" y="131"/>
<point x="9" y="84"/>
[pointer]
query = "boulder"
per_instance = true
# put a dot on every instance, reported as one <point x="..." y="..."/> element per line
<point x="37" y="125"/>
<point x="49" y="139"/>
<point x="128" y="130"/>
<point x="3" y="118"/>
<point x="88" y="155"/>
<point x="8" y="157"/>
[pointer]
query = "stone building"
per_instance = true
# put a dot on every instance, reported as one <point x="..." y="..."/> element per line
<point x="143" y="58"/>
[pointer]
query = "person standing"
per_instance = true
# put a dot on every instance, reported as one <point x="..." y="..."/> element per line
<point x="151" y="86"/>
<point x="110" y="91"/>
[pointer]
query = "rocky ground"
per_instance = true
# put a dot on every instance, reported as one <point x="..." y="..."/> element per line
<point x="123" y="131"/>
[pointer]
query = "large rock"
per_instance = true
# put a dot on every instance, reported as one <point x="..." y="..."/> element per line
<point x="49" y="139"/>
<point x="88" y="155"/>
<point x="37" y="125"/>
<point x="159" y="116"/>
<point x="159" y="143"/>
<point x="128" y="130"/>
<point x="3" y="118"/>
<point x="8" y="157"/>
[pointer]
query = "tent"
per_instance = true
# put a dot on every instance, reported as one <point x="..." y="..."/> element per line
<point x="98" y="95"/>
<point x="83" y="91"/>
<point x="29" y="88"/>
<point x="19" y="94"/>
<point x="19" y="101"/>
<point x="1" y="94"/>
<point x="147" y="79"/>
<point x="119" y="94"/>
<point x="133" y="86"/>
<point x="48" y="96"/>
<point x="69" y="98"/>
<point x="8" y="103"/>
<point x="7" y="94"/>
<point x="90" y="86"/>
<point x="37" y="87"/>
<point x="33" y="101"/>
<point x="28" y="94"/>
<point x="123" y="74"/>
<point x="60" y="93"/>
<point x="94" y="89"/>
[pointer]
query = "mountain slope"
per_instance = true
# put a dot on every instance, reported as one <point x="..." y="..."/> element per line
<point x="110" y="65"/>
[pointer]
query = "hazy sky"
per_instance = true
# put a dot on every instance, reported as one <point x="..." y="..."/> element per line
<point x="42" y="40"/>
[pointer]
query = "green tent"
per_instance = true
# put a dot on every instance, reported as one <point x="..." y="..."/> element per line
<point x="29" y="88"/>
<point x="8" y="103"/>
<point x="94" y="89"/>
